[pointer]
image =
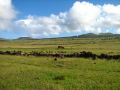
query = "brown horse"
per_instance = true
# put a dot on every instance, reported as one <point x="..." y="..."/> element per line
<point x="60" y="47"/>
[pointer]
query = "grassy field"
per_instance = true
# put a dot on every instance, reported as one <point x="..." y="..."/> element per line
<point x="43" y="73"/>
<point x="95" y="45"/>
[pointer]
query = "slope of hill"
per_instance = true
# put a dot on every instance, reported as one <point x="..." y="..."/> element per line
<point x="26" y="38"/>
<point x="100" y="35"/>
<point x="2" y="39"/>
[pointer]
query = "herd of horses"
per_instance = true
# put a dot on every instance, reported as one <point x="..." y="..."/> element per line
<point x="83" y="54"/>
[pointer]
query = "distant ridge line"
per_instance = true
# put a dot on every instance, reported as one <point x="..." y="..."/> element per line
<point x="88" y="35"/>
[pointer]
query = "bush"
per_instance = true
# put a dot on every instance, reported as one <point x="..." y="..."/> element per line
<point x="61" y="77"/>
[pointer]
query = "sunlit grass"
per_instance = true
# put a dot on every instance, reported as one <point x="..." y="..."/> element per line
<point x="40" y="73"/>
<point x="44" y="73"/>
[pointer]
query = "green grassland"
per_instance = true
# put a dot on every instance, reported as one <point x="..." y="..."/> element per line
<point x="96" y="45"/>
<point x="44" y="73"/>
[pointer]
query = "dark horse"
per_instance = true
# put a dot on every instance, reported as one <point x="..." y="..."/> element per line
<point x="60" y="47"/>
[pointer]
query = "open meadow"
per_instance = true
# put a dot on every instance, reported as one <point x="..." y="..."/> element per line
<point x="46" y="73"/>
<point x="59" y="44"/>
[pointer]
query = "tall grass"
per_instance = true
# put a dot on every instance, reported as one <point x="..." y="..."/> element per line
<point x="43" y="73"/>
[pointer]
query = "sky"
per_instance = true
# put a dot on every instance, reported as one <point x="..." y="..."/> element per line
<point x="58" y="18"/>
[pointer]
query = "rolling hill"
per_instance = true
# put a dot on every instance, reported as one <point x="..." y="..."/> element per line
<point x="100" y="35"/>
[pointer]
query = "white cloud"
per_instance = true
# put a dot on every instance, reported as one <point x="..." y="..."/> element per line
<point x="82" y="17"/>
<point x="111" y="9"/>
<point x="7" y="14"/>
<point x="37" y="26"/>
<point x="82" y="13"/>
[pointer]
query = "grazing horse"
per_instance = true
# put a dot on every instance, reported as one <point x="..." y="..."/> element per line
<point x="60" y="47"/>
